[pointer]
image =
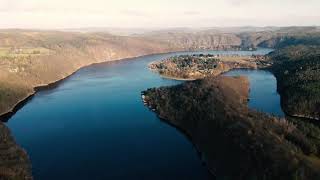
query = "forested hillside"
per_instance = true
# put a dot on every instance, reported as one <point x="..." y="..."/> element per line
<point x="297" y="69"/>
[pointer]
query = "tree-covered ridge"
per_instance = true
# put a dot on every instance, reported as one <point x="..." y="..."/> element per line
<point x="236" y="142"/>
<point x="285" y="40"/>
<point x="297" y="69"/>
<point x="294" y="53"/>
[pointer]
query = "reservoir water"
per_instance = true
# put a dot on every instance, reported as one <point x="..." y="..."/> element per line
<point x="93" y="125"/>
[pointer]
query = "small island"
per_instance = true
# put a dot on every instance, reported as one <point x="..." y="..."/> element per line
<point x="198" y="66"/>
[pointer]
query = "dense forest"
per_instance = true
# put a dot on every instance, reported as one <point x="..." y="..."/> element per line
<point x="282" y="41"/>
<point x="236" y="142"/>
<point x="297" y="69"/>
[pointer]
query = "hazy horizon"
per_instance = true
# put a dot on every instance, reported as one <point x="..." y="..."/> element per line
<point x="60" y="14"/>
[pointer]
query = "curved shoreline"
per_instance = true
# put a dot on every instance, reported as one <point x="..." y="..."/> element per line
<point x="184" y="133"/>
<point x="5" y="116"/>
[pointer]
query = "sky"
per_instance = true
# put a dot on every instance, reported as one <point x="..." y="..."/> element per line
<point x="47" y="14"/>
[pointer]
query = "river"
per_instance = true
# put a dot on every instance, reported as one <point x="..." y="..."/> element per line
<point x="93" y="125"/>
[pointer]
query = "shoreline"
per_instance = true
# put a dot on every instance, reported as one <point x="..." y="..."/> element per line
<point x="5" y="116"/>
<point x="187" y="135"/>
<point x="193" y="79"/>
<point x="176" y="78"/>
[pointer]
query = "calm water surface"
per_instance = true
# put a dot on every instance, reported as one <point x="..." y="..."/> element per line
<point x="94" y="126"/>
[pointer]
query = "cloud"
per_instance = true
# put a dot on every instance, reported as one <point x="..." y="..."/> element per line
<point x="141" y="13"/>
<point x="238" y="2"/>
<point x="130" y="12"/>
<point x="192" y="13"/>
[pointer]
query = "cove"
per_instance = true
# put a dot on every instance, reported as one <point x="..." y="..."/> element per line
<point x="263" y="95"/>
<point x="93" y="125"/>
